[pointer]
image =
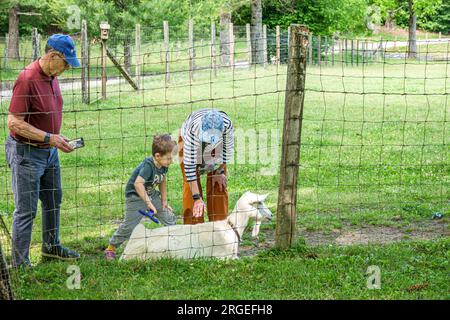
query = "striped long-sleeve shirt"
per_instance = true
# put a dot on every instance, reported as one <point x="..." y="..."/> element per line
<point x="194" y="151"/>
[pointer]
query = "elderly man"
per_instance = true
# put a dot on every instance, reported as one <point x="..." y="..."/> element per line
<point x="206" y="143"/>
<point x="34" y="121"/>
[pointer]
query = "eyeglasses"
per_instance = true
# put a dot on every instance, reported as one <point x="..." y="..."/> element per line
<point x="63" y="59"/>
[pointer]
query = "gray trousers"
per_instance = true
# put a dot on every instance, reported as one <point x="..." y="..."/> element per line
<point x="132" y="217"/>
<point x="35" y="176"/>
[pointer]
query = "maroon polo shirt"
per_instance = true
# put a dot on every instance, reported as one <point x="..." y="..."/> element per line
<point x="37" y="96"/>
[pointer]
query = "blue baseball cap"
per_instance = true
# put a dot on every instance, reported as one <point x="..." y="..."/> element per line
<point x="211" y="129"/>
<point x="64" y="44"/>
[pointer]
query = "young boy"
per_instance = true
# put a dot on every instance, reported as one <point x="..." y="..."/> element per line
<point x="140" y="192"/>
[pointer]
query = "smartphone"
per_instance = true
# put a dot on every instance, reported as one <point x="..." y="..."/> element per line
<point x="77" y="143"/>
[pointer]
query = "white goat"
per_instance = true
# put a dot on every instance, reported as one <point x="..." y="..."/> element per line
<point x="218" y="239"/>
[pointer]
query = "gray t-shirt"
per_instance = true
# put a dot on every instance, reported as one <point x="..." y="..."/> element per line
<point x="149" y="172"/>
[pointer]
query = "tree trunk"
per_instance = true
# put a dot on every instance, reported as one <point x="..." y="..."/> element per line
<point x="389" y="22"/>
<point x="412" y="44"/>
<point x="257" y="32"/>
<point x="225" y="19"/>
<point x="13" y="45"/>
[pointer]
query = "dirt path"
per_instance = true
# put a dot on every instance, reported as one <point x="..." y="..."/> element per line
<point x="348" y="235"/>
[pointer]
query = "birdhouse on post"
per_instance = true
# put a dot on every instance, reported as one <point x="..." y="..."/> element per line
<point x="104" y="30"/>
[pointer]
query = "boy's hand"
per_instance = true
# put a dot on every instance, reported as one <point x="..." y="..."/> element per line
<point x="165" y="204"/>
<point x="150" y="206"/>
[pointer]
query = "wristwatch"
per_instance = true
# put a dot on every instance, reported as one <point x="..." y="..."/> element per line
<point x="196" y="196"/>
<point x="47" y="138"/>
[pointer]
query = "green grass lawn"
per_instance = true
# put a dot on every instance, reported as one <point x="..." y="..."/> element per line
<point x="375" y="142"/>
<point x="416" y="270"/>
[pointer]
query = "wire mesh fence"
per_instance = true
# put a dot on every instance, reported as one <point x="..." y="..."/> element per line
<point x="374" y="137"/>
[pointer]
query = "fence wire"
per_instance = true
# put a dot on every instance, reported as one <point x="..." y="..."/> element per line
<point x="374" y="148"/>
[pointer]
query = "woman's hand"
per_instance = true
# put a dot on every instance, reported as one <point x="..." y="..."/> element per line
<point x="199" y="208"/>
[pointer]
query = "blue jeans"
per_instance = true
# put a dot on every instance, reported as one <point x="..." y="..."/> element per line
<point x="35" y="175"/>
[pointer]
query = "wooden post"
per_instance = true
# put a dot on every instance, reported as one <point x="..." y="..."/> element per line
<point x="333" y="41"/>
<point x="363" y="51"/>
<point x="319" y="57"/>
<point x="357" y="52"/>
<point x="249" y="45"/>
<point x="104" y="29"/>
<point x="122" y="70"/>
<point x="231" y="34"/>
<point x="5" y="55"/>
<point x="178" y="50"/>
<point x="278" y="45"/>
<point x="6" y="292"/>
<point x="138" y="68"/>
<point x="351" y="52"/>
<point x="290" y="156"/>
<point x="340" y="51"/>
<point x="84" y="63"/>
<point x="326" y="51"/>
<point x="191" y="50"/>
<point x="35" y="44"/>
<point x="265" y="45"/>
<point x="310" y="47"/>
<point x="202" y="54"/>
<point x="166" y="50"/>
<point x="213" y="49"/>
<point x="346" y="52"/>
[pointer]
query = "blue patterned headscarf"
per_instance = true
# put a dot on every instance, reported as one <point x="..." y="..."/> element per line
<point x="211" y="127"/>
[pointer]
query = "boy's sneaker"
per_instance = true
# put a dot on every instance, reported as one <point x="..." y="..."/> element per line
<point x="110" y="255"/>
<point x="59" y="252"/>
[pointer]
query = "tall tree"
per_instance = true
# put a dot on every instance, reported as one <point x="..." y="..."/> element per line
<point x="13" y="31"/>
<point x="256" y="32"/>
<point x="225" y="19"/>
<point x="412" y="28"/>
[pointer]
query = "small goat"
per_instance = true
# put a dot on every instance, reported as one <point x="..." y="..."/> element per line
<point x="218" y="239"/>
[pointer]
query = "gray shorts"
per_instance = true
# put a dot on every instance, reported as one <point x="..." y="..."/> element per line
<point x="132" y="216"/>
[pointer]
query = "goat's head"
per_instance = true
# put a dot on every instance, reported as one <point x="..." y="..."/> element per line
<point x="257" y="210"/>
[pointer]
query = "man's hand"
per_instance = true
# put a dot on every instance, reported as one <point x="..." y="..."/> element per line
<point x="199" y="208"/>
<point x="60" y="142"/>
<point x="221" y="179"/>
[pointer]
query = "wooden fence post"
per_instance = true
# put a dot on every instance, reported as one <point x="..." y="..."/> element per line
<point x="249" y="44"/>
<point x="278" y="45"/>
<point x="265" y="45"/>
<point x="213" y="49"/>
<point x="293" y="113"/>
<point x="84" y="63"/>
<point x="5" y="55"/>
<point x="104" y="29"/>
<point x="231" y="35"/>
<point x="6" y="292"/>
<point x="35" y="44"/>
<point x="166" y="50"/>
<point x="333" y="41"/>
<point x="138" y="68"/>
<point x="319" y="56"/>
<point x="191" y="50"/>
<point x="310" y="47"/>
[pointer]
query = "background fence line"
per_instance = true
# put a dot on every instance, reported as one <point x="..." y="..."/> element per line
<point x="374" y="148"/>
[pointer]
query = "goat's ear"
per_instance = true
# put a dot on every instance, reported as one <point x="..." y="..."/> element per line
<point x="262" y="198"/>
<point x="251" y="197"/>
